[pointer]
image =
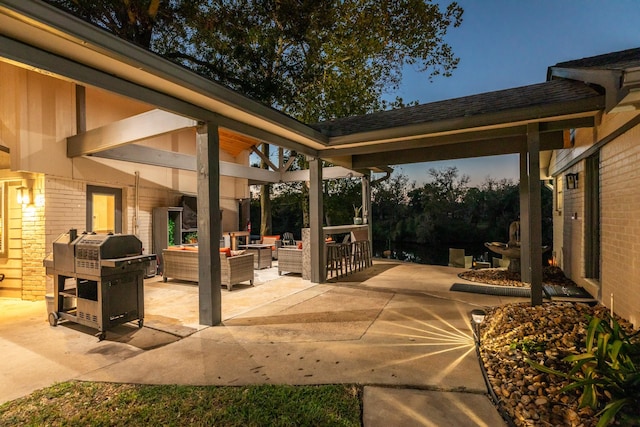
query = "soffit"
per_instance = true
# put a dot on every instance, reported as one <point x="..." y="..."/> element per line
<point x="235" y="143"/>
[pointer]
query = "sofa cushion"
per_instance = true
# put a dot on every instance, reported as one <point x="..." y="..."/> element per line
<point x="226" y="251"/>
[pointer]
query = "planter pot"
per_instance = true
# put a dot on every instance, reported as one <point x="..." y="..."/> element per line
<point x="357" y="221"/>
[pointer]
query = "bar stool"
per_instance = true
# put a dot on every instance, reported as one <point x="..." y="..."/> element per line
<point x="361" y="250"/>
<point x="339" y="259"/>
<point x="334" y="259"/>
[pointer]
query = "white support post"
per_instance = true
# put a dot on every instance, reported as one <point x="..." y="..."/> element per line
<point x="209" y="229"/>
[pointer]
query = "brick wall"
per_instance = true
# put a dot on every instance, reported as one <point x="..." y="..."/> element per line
<point x="620" y="224"/>
<point x="33" y="246"/>
<point x="573" y="228"/>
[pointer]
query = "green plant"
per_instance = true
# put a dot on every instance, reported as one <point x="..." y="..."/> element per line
<point x="608" y="371"/>
<point x="528" y="346"/>
<point x="171" y="226"/>
<point x="356" y="211"/>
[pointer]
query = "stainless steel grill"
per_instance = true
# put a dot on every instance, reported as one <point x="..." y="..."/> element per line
<point x="103" y="274"/>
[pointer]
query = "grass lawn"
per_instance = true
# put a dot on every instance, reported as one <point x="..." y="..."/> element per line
<point x="102" y="404"/>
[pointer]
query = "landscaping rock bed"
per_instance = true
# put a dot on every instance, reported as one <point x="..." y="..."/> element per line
<point x="545" y="334"/>
<point x="502" y="277"/>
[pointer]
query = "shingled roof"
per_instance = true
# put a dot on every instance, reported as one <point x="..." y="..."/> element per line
<point x="531" y="101"/>
<point x="621" y="60"/>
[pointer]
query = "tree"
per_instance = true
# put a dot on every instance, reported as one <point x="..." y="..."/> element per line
<point x="317" y="60"/>
<point x="139" y="21"/>
<point x="390" y="207"/>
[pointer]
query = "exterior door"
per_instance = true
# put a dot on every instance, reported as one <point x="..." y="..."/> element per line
<point x="104" y="209"/>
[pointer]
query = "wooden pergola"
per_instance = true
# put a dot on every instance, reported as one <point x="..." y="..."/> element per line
<point x="528" y="121"/>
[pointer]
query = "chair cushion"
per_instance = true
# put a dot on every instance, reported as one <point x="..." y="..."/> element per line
<point x="270" y="240"/>
<point x="226" y="251"/>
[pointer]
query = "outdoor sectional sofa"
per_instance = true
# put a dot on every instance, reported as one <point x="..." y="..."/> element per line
<point x="181" y="263"/>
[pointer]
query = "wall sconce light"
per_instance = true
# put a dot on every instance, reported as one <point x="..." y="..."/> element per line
<point x="572" y="181"/>
<point x="25" y="194"/>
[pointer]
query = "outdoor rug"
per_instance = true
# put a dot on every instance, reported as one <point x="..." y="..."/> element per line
<point x="503" y="291"/>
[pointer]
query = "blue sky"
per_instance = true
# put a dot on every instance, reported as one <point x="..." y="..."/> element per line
<point x="509" y="43"/>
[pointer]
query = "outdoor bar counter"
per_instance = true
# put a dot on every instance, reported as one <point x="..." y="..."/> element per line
<point x="358" y="257"/>
<point x="344" y="258"/>
<point x="340" y="229"/>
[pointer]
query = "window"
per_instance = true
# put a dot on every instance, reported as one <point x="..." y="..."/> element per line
<point x="104" y="209"/>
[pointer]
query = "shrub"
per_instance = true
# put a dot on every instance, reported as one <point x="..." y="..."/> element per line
<point x="608" y="372"/>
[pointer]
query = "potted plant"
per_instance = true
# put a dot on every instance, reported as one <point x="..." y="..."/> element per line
<point x="357" y="219"/>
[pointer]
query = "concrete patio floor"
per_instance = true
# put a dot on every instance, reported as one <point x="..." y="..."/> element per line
<point x="395" y="328"/>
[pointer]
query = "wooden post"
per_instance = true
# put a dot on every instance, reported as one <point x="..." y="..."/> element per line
<point x="366" y="201"/>
<point x="318" y="267"/>
<point x="209" y="229"/>
<point x="525" y="271"/>
<point x="534" y="224"/>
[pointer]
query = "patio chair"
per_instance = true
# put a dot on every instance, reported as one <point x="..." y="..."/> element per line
<point x="288" y="239"/>
<point x="458" y="259"/>
<point x="289" y="260"/>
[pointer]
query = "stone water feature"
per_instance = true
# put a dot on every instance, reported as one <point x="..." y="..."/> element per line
<point x="511" y="249"/>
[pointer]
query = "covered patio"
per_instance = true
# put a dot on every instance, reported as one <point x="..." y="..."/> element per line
<point x="529" y="121"/>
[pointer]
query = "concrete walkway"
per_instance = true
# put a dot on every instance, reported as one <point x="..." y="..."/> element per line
<point x="395" y="328"/>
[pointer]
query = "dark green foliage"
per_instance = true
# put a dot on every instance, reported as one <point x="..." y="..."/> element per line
<point x="607" y="372"/>
<point x="442" y="212"/>
<point x="446" y="210"/>
<point x="314" y="60"/>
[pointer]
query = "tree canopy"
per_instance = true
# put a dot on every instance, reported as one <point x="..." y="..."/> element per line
<point x="314" y="60"/>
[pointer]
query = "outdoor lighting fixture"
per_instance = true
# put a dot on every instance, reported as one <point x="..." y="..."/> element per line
<point x="572" y="181"/>
<point x="477" y="316"/>
<point x="25" y="195"/>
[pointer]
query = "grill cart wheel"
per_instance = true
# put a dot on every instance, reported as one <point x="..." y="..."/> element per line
<point x="53" y="318"/>
<point x="140" y="323"/>
<point x="101" y="336"/>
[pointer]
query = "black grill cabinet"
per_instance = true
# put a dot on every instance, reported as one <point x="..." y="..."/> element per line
<point x="98" y="279"/>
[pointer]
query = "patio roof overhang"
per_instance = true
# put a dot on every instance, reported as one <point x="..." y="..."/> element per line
<point x="40" y="37"/>
<point x="480" y="125"/>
